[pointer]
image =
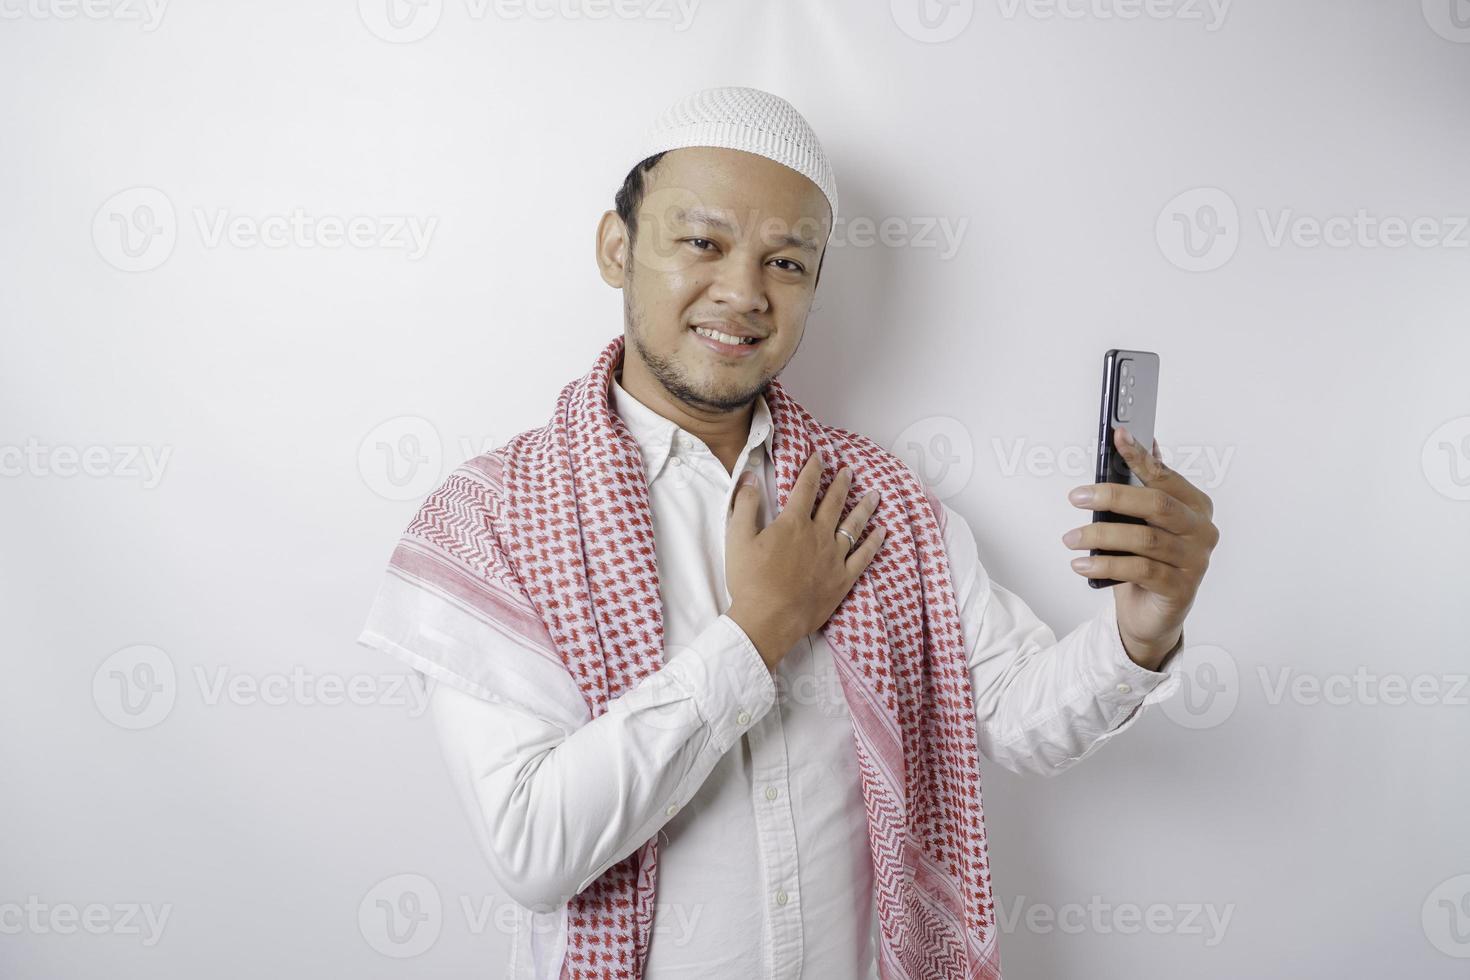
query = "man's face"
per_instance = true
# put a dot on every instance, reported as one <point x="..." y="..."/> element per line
<point x="731" y="239"/>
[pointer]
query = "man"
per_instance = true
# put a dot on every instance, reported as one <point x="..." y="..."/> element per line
<point x="710" y="715"/>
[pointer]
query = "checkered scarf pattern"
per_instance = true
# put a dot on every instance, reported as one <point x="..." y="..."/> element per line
<point x="551" y="537"/>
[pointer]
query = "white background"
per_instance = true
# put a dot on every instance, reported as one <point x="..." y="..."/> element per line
<point x="1328" y="381"/>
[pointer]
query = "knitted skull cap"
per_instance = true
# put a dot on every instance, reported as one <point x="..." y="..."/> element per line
<point x="740" y="118"/>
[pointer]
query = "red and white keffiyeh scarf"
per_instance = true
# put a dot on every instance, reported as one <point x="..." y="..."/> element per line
<point x="550" y="537"/>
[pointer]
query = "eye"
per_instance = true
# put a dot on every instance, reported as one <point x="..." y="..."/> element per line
<point x="795" y="266"/>
<point x="705" y="240"/>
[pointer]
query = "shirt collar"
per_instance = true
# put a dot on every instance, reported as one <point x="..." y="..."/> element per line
<point x="655" y="434"/>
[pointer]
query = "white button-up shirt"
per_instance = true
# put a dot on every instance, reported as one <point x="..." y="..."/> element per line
<point x="748" y="775"/>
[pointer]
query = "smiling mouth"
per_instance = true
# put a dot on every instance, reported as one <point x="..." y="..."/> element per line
<point x="724" y="339"/>
<point x="727" y="352"/>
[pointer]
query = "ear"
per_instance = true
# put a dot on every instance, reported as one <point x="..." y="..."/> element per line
<point x="614" y="253"/>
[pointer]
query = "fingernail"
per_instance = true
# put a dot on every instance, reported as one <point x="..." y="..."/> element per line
<point x="844" y="471"/>
<point x="871" y="495"/>
<point x="1072" y="538"/>
<point x="1082" y="495"/>
<point x="1127" y="436"/>
<point x="1082" y="564"/>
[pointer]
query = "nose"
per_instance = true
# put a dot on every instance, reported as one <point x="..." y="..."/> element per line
<point x="739" y="285"/>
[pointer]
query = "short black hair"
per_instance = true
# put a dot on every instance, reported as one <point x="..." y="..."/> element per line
<point x="630" y="196"/>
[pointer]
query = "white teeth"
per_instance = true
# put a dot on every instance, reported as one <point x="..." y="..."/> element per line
<point x="723" y="338"/>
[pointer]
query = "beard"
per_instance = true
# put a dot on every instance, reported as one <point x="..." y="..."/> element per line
<point x="676" y="379"/>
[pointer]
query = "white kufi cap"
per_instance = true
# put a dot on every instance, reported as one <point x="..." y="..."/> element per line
<point x="748" y="119"/>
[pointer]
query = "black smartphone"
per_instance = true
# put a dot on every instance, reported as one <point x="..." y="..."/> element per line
<point x="1130" y="395"/>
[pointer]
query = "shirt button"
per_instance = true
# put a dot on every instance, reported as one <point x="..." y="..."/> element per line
<point x="675" y="461"/>
<point x="673" y="808"/>
<point x="743" y="717"/>
<point x="781" y="896"/>
<point x="770" y="792"/>
<point x="1124" y="688"/>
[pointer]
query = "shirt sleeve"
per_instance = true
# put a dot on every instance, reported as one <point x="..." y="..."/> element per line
<point x="552" y="810"/>
<point x="1042" y="704"/>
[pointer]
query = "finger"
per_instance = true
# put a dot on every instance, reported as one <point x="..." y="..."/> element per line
<point x="829" y="511"/>
<point x="1138" y="539"/>
<point x="1153" y="472"/>
<point x="864" y="552"/>
<point x="1146" y="573"/>
<point x="857" y="518"/>
<point x="1149" y="468"/>
<point x="744" y="507"/>
<point x="1150" y="503"/>
<point x="804" y="493"/>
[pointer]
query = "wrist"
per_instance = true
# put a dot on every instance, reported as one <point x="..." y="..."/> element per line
<point x="1151" y="654"/>
<point x="764" y="631"/>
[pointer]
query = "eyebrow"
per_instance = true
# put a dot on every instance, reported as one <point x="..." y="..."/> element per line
<point x="717" y="221"/>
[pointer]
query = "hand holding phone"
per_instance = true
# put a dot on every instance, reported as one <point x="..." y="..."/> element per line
<point x="1130" y="394"/>
<point x="1166" y="522"/>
